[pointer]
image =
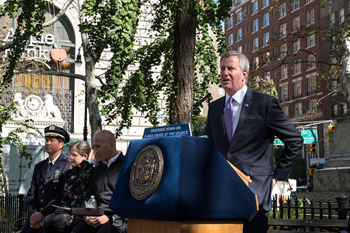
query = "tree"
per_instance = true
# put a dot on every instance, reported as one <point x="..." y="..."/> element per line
<point x="103" y="25"/>
<point x="184" y="48"/>
<point x="181" y="45"/>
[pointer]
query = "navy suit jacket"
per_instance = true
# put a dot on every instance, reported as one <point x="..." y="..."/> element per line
<point x="251" y="147"/>
<point x="47" y="186"/>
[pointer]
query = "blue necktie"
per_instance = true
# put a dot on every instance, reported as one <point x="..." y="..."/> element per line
<point x="50" y="165"/>
<point x="229" y="118"/>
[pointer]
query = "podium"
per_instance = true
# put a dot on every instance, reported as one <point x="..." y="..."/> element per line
<point x="198" y="190"/>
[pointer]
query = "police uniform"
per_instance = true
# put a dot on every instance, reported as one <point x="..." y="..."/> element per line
<point x="47" y="183"/>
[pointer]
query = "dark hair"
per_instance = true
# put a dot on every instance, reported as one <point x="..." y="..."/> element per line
<point x="60" y="140"/>
<point x="82" y="147"/>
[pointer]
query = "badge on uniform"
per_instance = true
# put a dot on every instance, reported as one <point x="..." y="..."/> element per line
<point x="56" y="176"/>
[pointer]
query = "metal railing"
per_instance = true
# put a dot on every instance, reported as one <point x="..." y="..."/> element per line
<point x="12" y="208"/>
<point x="309" y="209"/>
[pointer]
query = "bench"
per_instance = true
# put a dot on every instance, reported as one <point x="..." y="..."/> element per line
<point x="309" y="223"/>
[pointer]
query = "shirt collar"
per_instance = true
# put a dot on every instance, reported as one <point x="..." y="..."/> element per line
<point x="238" y="96"/>
<point x="112" y="160"/>
<point x="54" y="160"/>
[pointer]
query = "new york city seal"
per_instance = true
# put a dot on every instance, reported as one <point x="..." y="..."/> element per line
<point x="146" y="172"/>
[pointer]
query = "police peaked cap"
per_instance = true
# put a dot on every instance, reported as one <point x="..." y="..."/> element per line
<point x="57" y="132"/>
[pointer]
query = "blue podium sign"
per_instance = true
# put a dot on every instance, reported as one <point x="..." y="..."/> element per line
<point x="167" y="131"/>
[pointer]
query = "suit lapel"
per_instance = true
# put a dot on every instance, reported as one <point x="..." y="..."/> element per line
<point x="221" y="106"/>
<point x="246" y="105"/>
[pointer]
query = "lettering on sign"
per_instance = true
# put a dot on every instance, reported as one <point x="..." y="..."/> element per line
<point x="37" y="48"/>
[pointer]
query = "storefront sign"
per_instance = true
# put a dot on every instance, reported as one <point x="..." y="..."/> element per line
<point x="38" y="48"/>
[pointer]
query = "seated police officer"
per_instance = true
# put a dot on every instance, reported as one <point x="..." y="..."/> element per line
<point x="48" y="180"/>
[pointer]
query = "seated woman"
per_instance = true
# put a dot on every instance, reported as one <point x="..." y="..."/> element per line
<point x="77" y="180"/>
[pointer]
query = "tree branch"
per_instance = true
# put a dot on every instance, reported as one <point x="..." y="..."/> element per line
<point x="53" y="72"/>
<point x="59" y="15"/>
<point x="3" y="47"/>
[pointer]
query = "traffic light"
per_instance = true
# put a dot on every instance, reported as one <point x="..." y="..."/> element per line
<point x="330" y="130"/>
<point x="310" y="171"/>
<point x="312" y="148"/>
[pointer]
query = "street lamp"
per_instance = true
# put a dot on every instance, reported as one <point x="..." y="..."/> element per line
<point x="85" y="115"/>
<point x="78" y="60"/>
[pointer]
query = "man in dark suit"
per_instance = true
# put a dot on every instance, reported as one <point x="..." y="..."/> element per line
<point x="102" y="182"/>
<point x="242" y="125"/>
<point x="48" y="180"/>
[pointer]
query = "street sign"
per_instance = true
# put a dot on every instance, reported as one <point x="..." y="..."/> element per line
<point x="306" y="134"/>
<point x="309" y="137"/>
<point x="278" y="142"/>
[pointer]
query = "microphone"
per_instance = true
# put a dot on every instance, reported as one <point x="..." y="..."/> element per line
<point x="201" y="100"/>
<point x="197" y="104"/>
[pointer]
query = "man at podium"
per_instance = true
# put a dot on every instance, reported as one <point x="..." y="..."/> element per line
<point x="243" y="125"/>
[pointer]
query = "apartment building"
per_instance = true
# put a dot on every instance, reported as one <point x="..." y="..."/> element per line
<point x="292" y="43"/>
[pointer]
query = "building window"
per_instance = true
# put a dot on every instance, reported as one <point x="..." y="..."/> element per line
<point x="266" y="18"/>
<point x="282" y="10"/>
<point x="335" y="110"/>
<point x="283" y="30"/>
<point x="239" y="49"/>
<point x="266" y="59"/>
<point x="255" y="63"/>
<point x="255" y="7"/>
<point x="345" y="108"/>
<point x="310" y="17"/>
<point x="332" y="19"/>
<point x="310" y="40"/>
<point x="267" y="76"/>
<point x="283" y="51"/>
<point x="266" y="38"/>
<point x="334" y="68"/>
<point x="239" y="16"/>
<point x="238" y="2"/>
<point x="230" y="22"/>
<point x="255" y="25"/>
<point x="239" y="34"/>
<point x="230" y="39"/>
<point x="274" y="33"/>
<point x="334" y="85"/>
<point x="284" y="93"/>
<point x="308" y="1"/>
<point x="333" y="42"/>
<point x="245" y="47"/>
<point x="312" y="106"/>
<point x="295" y="5"/>
<point x="296" y="46"/>
<point x="256" y="44"/>
<point x="265" y="3"/>
<point x="285" y="110"/>
<point x="295" y="24"/>
<point x="311" y="85"/>
<point x="284" y="71"/>
<point x="297" y="67"/>
<point x="298" y="110"/>
<point x="248" y="27"/>
<point x="341" y="16"/>
<point x="297" y="90"/>
<point x="311" y="62"/>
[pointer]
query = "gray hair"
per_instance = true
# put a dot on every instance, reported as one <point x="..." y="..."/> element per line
<point x="243" y="60"/>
